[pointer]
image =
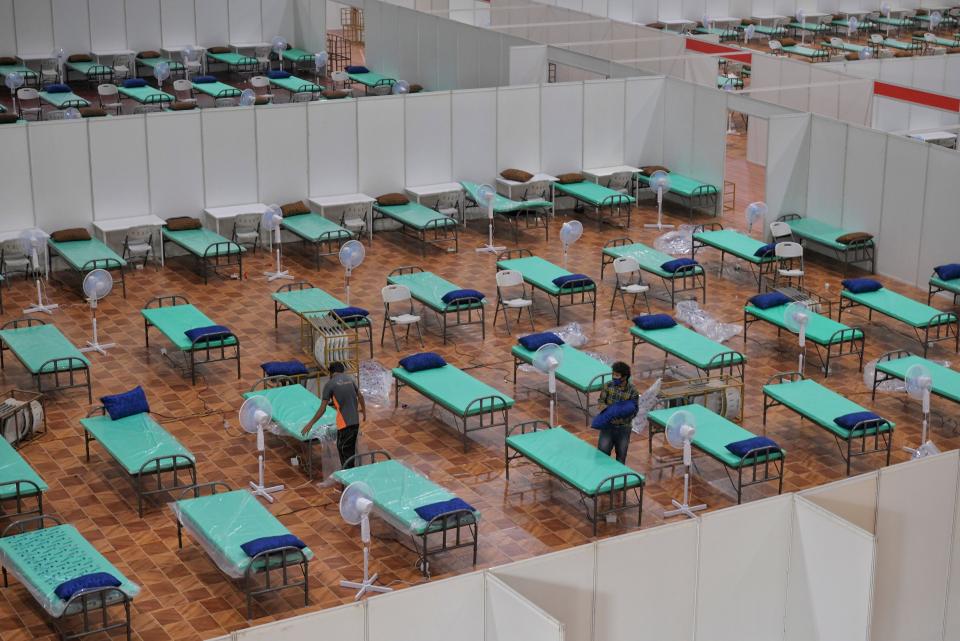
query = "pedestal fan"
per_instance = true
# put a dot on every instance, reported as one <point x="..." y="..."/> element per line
<point x="255" y="418"/>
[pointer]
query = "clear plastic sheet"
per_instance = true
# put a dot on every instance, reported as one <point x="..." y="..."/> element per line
<point x="646" y="402"/>
<point x="892" y="385"/>
<point x="603" y="358"/>
<point x="134" y="440"/>
<point x="690" y="312"/>
<point x="376" y="381"/>
<point x="677" y="242"/>
<point x="573" y="335"/>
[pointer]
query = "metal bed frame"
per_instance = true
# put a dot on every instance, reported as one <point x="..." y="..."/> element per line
<point x="613" y="492"/>
<point x="200" y="343"/>
<point x="843" y="342"/>
<point x="689" y="279"/>
<point x="882" y="441"/>
<point x="441" y="233"/>
<point x="109" y="264"/>
<point x="327" y="244"/>
<point x="583" y="397"/>
<point x="943" y="326"/>
<point x="583" y="297"/>
<point x="95" y="74"/>
<point x="612" y="203"/>
<point x="540" y="218"/>
<point x="282" y="380"/>
<point x="863" y="251"/>
<point x="249" y="67"/>
<point x="766" y="268"/>
<point x="213" y="258"/>
<point x="882" y="377"/>
<point x="267" y="563"/>
<point x="60" y="367"/>
<point x="464" y="316"/>
<point x="705" y="197"/>
<point x="931" y="291"/>
<point x="724" y="363"/>
<point x="94" y="604"/>
<point x="278" y="308"/>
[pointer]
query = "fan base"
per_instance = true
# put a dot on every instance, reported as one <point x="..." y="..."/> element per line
<point x="683" y="508"/>
<point x="271" y="276"/>
<point x="46" y="309"/>
<point x="365" y="586"/>
<point x="490" y="249"/>
<point x="97" y="347"/>
<point x="264" y="492"/>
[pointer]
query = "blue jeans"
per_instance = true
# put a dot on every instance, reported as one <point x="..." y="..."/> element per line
<point x="615" y="438"/>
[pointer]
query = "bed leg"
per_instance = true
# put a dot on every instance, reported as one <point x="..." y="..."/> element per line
<point x="596" y="516"/>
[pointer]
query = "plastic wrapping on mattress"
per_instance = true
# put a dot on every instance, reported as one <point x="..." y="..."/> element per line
<point x="690" y="312"/>
<point x="573" y="335"/>
<point x="646" y="402"/>
<point x="891" y="385"/>
<point x="677" y="242"/>
<point x="376" y="381"/>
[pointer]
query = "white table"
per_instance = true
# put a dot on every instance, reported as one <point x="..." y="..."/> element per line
<point x="773" y="19"/>
<point x="725" y="20"/>
<point x="323" y="203"/>
<point x="237" y="46"/>
<point x="175" y="52"/>
<point x="596" y="173"/>
<point x="438" y="189"/>
<point x="100" y="53"/>
<point x="942" y="138"/>
<point x="216" y="214"/>
<point x="681" y="23"/>
<point x="105" y="227"/>
<point x="34" y="57"/>
<point x="507" y="187"/>
<point x="41" y="255"/>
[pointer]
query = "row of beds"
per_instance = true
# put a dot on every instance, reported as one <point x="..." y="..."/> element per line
<point x="222" y="520"/>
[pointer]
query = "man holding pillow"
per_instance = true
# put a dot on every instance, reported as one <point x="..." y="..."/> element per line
<point x="618" y="404"/>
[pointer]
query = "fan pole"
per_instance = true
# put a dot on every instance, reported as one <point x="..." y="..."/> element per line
<point x="95" y="345"/>
<point x="490" y="248"/>
<point x="685" y="508"/>
<point x="39" y="306"/>
<point x="922" y="450"/>
<point x="659" y="224"/>
<point x="346" y="278"/>
<point x="259" y="489"/>
<point x="552" y="387"/>
<point x="280" y="273"/>
<point x="367" y="585"/>
<point x="803" y="344"/>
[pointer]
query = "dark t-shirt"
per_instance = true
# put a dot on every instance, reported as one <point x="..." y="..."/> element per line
<point x="341" y="391"/>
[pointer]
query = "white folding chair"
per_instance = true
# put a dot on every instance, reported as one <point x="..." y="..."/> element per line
<point x="629" y="283"/>
<point x="354" y="218"/>
<point x="790" y="263"/>
<point x="780" y="231"/>
<point x="183" y="91"/>
<point x="191" y="64"/>
<point x="138" y="245"/>
<point x="621" y="181"/>
<point x="262" y="54"/>
<point x="56" y="114"/>
<point x="448" y="204"/>
<point x="261" y="87"/>
<point x="28" y="103"/>
<point x="49" y="71"/>
<point x="509" y="298"/>
<point x="109" y="97"/>
<point x="776" y="48"/>
<point x="121" y="67"/>
<point x="13" y="260"/>
<point x="246" y="230"/>
<point x="397" y="295"/>
<point x="340" y="79"/>
<point x="836" y="42"/>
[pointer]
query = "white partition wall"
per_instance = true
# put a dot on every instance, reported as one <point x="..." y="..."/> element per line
<point x="474" y="145"/>
<point x="229" y="156"/>
<point x="16" y="206"/>
<point x="788" y="163"/>
<point x="108" y="25"/>
<point x="346" y="623"/>
<point x="282" y="159"/>
<point x="561" y="127"/>
<point x="603" y="123"/>
<point x="118" y="167"/>
<point x="854" y="499"/>
<point x="380" y="143"/>
<point x="518" y="128"/>
<point x="510" y="617"/>
<point x="430" y="612"/>
<point x="60" y="155"/>
<point x="644" y="118"/>
<point x="333" y="174"/>
<point x="428" y="134"/>
<point x="175" y="152"/>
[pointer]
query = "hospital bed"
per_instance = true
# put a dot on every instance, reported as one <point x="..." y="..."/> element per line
<point x="708" y="356"/>
<point x="937" y="285"/>
<point x="371" y="80"/>
<point x="429" y="289"/>
<point x="421" y="223"/>
<point x="305" y="300"/>
<point x="810" y="230"/>
<point x="83" y="256"/>
<point x="540" y="274"/>
<point x="602" y="199"/>
<point x="697" y="194"/>
<point x="145" y="95"/>
<point x="176" y="68"/>
<point x="214" y="88"/>
<point x="211" y="251"/>
<point x="19" y="484"/>
<point x="232" y="60"/>
<point x="581" y="371"/>
<point x="62" y="99"/>
<point x="322" y="234"/>
<point x="688" y="278"/>
<point x="293" y="85"/>
<point x="894" y="365"/>
<point x="45" y="352"/>
<point x="89" y="69"/>
<point x="534" y="211"/>
<point x="728" y="241"/>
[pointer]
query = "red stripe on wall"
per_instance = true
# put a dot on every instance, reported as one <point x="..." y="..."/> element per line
<point x="916" y="96"/>
<point x="701" y="46"/>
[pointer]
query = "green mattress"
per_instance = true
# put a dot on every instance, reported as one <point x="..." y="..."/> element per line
<point x="429" y="289"/>
<point x="294" y="84"/>
<point x="818" y="231"/>
<point x="38" y="344"/>
<point x="216" y="89"/>
<point x="769" y="31"/>
<point x="946" y="285"/>
<point x="540" y="273"/>
<point x="398" y="491"/>
<point x="197" y="241"/>
<point x="902" y="46"/>
<point x="649" y="259"/>
<point x="297" y="55"/>
<point x="943" y="42"/>
<point x="146" y="95"/>
<point x="292" y="407"/>
<point x="820" y="329"/>
<point x="134" y="440"/>
<point x="89" y="68"/>
<point x="682" y="185"/>
<point x="63" y="100"/>
<point x="14" y="467"/>
<point x="153" y="62"/>
<point x="844" y="46"/>
<point x="416" y="216"/>
<point x="27" y="73"/>
<point x="897" y="306"/>
<point x="572" y="459"/>
<point x="225" y="521"/>
<point x="369" y="79"/>
<point x="592" y="193"/>
<point x="313" y="227"/>
<point x="233" y="59"/>
<point x="453" y="389"/>
<point x="815" y="27"/>
<point x="303" y="301"/>
<point x="735" y="243"/>
<point x="502" y="204"/>
<point x="723" y="81"/>
<point x="806" y="52"/>
<point x="946" y="381"/>
<point x="713" y="434"/>
<point x="862" y="25"/>
<point x="892" y="22"/>
<point x="687" y="345"/>
<point x="578" y="370"/>
<point x="820" y="405"/>
<point x="173" y="321"/>
<point x="78" y="253"/>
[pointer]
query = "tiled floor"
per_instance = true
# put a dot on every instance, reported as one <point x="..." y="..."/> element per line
<point x="185" y="597"/>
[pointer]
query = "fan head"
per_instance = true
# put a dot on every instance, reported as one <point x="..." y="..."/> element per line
<point x="865" y="53"/>
<point x="680" y="427"/>
<point x="754" y="212"/>
<point x="918" y="381"/>
<point x="247" y="97"/>
<point x="749" y="31"/>
<point x="570" y="232"/>
<point x="796" y="316"/>
<point x="162" y="71"/>
<point x="356" y="502"/>
<point x="272" y="217"/>
<point x="255" y="413"/>
<point x="278" y="44"/>
<point x="852" y="24"/>
<point x="72" y="114"/>
<point x="800" y="15"/>
<point x="352" y="254"/>
<point x="400" y="87"/>
<point x="32" y="240"/>
<point x="885" y="9"/>
<point x="486" y="194"/>
<point x="59" y="55"/>
<point x="320" y="59"/>
<point x="660" y="181"/>
<point x="935" y="19"/>
<point x="13" y="81"/>
<point x="548" y="357"/>
<point x="190" y="53"/>
<point x="97" y="284"/>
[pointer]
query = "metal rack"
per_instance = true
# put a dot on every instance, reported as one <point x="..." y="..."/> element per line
<point x="351" y="21"/>
<point x="22" y="416"/>
<point x="338" y="53"/>
<point x="327" y="339"/>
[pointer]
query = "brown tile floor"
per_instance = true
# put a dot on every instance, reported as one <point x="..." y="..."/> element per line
<point x="185" y="597"/>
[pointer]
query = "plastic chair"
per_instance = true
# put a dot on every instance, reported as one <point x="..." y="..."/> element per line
<point x="225" y="102"/>
<point x="121" y="67"/>
<point x="191" y="64"/>
<point x="49" y="71"/>
<point x="780" y="231"/>
<point x="790" y="265"/>
<point x="354" y="218"/>
<point x="836" y="42"/>
<point x="395" y="295"/>
<point x="28" y="102"/>
<point x="246" y="230"/>
<point x="13" y="260"/>
<point x="621" y="181"/>
<point x="448" y="204"/>
<point x="508" y="280"/>
<point x="261" y="87"/>
<point x="183" y="91"/>
<point x="56" y="114"/>
<point x="262" y="54"/>
<point x="138" y="245"/>
<point x="776" y="48"/>
<point x="629" y="282"/>
<point x="340" y="79"/>
<point x="109" y="97"/>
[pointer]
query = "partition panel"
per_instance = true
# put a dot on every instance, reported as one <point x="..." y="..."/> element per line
<point x="853" y="499"/>
<point x="678" y="110"/>
<point x="229" y="156"/>
<point x="175" y="158"/>
<point x="429" y="612"/>
<point x="108" y="29"/>
<point x="906" y="170"/>
<point x="282" y="163"/>
<point x="143" y="25"/>
<point x="938" y="238"/>
<point x="510" y="617"/>
<point x="828" y="140"/>
<point x="68" y="205"/>
<point x="71" y="25"/>
<point x="380" y="143"/>
<point x="403" y="65"/>
<point x="709" y="135"/>
<point x="913" y="547"/>
<point x="448" y="63"/>
<point x="561" y="583"/>
<point x="345" y="623"/>
<point x="8" y="29"/>
<point x="644" y="121"/>
<point x="244" y="21"/>
<point x="603" y="123"/>
<point x="792" y="74"/>
<point x="746" y="546"/>
<point x="335" y="123"/>
<point x="178" y="20"/>
<point x="212" y="23"/>
<point x="427" y="128"/>
<point x="665" y="606"/>
<point x="34" y="24"/>
<point x="824" y="99"/>
<point x="429" y="53"/>
<point x="277" y="19"/>
<point x="118" y="167"/>
<point x="788" y="160"/>
<point x="951" y="623"/>
<point x="863" y="179"/>
<point x="474" y="149"/>
<point x="468" y="58"/>
<point x="518" y="128"/>
<point x="561" y="127"/>
<point x="16" y="206"/>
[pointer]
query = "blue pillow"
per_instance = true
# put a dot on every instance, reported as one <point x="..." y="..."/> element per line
<point x="465" y="295"/>
<point x="276" y="73"/>
<point x="654" y="321"/>
<point x="765" y="250"/>
<point x="849" y="421"/>
<point x="861" y="285"/>
<point x="86" y="582"/>
<point x="768" y="300"/>
<point x="134" y="82"/>
<point x="351" y="312"/>
<point x="212" y="332"/>
<point x="618" y="410"/>
<point x="126" y="404"/>
<point x="533" y="342"/>
<point x="203" y="80"/>
<point x="284" y="368"/>
<point x="267" y="543"/>
<point x="575" y="280"/>
<point x="675" y="264"/>
<point x="356" y="69"/>
<point x="950" y="271"/>
<point x="422" y="361"/>
<point x="57" y="88"/>
<point x="431" y="510"/>
<point x="740" y="448"/>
